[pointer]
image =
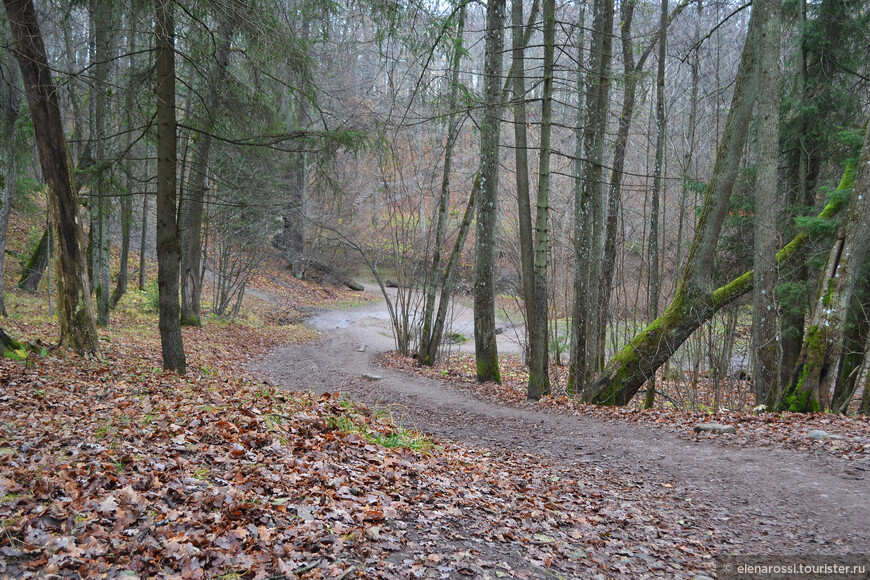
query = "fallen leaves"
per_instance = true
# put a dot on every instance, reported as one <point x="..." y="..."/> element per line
<point x="117" y="469"/>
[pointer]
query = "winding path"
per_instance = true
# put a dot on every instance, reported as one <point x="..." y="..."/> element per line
<point x="769" y="500"/>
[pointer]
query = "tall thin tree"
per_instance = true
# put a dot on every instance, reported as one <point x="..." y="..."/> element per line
<point x="168" y="243"/>
<point x="486" y="348"/>
<point x="539" y="380"/>
<point x="765" y="343"/>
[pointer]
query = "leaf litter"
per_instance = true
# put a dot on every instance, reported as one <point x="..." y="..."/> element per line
<point x="113" y="468"/>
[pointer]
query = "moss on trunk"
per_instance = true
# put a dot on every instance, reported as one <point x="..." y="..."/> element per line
<point x="629" y="369"/>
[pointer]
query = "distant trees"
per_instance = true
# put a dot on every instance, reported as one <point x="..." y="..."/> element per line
<point x="369" y="130"/>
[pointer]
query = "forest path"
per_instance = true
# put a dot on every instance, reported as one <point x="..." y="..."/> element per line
<point x="766" y="499"/>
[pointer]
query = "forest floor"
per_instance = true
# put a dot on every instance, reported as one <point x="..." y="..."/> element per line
<point x="667" y="499"/>
<point x="253" y="466"/>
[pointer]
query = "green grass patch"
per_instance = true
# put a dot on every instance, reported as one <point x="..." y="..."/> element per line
<point x="395" y="437"/>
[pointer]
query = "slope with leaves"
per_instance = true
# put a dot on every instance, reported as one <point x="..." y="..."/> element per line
<point x="111" y="467"/>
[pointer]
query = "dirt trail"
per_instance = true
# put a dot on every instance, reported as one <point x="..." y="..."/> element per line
<point x="769" y="500"/>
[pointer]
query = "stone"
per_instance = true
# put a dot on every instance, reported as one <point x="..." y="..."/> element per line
<point x="820" y="435"/>
<point x="715" y="428"/>
<point x="372" y="377"/>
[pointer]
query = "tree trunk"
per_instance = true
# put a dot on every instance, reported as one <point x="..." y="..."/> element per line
<point x="192" y="207"/>
<point x="101" y="15"/>
<point x="143" y="242"/>
<point x="662" y="338"/>
<point x="168" y="245"/>
<point x="765" y="345"/>
<point x="31" y="273"/>
<point x="486" y="349"/>
<point x="539" y="380"/>
<point x="427" y="350"/>
<point x="521" y="159"/>
<point x="687" y="169"/>
<point x="449" y="273"/>
<point x="821" y="42"/>
<point x="127" y="198"/>
<point x="10" y="103"/>
<point x="586" y="190"/>
<point x="75" y="308"/>
<point x="294" y="218"/>
<point x="854" y="345"/>
<point x="579" y="276"/>
<point x="447" y="284"/>
<point x="658" y="188"/>
<point x="594" y="181"/>
<point x="864" y="407"/>
<point x="694" y="301"/>
<point x="815" y="373"/>
<point x="632" y="74"/>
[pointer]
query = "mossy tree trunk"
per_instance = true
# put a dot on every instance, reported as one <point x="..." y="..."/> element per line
<point x="486" y="348"/>
<point x="75" y="307"/>
<point x="854" y="344"/>
<point x="816" y="371"/>
<point x="10" y="103"/>
<point x="807" y="141"/>
<point x="694" y="301"/>
<point x="655" y="344"/>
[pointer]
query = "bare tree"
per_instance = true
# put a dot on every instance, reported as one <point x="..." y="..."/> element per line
<point x="693" y="302"/>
